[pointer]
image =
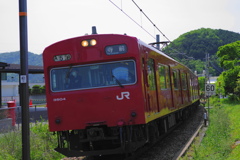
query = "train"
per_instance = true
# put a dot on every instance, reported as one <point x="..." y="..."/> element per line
<point x="113" y="94"/>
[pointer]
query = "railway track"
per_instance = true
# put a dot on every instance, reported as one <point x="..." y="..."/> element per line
<point x="176" y="143"/>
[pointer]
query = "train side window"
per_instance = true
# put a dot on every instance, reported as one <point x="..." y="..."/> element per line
<point x="175" y="79"/>
<point x="168" y="77"/>
<point x="162" y="70"/>
<point x="151" y="75"/>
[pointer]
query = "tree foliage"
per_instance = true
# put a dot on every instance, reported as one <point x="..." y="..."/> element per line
<point x="237" y="88"/>
<point x="38" y="89"/>
<point x="229" y="56"/>
<point x="201" y="81"/>
<point x="195" y="44"/>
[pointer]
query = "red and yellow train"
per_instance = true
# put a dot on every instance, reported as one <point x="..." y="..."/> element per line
<point x="111" y="94"/>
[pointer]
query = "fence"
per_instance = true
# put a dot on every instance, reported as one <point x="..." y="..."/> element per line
<point x="7" y="118"/>
<point x="5" y="99"/>
<point x="36" y="99"/>
<point x="11" y="118"/>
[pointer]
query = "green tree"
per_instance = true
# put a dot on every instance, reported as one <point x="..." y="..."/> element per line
<point x="36" y="89"/>
<point x="220" y="85"/>
<point x="198" y="42"/>
<point x="201" y="81"/>
<point x="43" y="89"/>
<point x="237" y="89"/>
<point x="229" y="56"/>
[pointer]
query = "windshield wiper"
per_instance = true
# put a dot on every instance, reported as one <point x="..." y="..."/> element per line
<point x="118" y="82"/>
<point x="68" y="72"/>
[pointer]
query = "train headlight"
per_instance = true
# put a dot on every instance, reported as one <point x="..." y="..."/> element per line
<point x="84" y="43"/>
<point x="89" y="42"/>
<point x="93" y="42"/>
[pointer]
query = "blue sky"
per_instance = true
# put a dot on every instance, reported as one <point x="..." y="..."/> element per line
<point x="50" y="21"/>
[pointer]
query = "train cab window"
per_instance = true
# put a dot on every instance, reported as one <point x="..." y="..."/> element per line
<point x="162" y="70"/>
<point x="151" y="75"/>
<point x="176" y="79"/>
<point x="93" y="76"/>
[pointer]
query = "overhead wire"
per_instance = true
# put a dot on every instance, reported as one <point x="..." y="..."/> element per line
<point x="154" y="25"/>
<point x="132" y="19"/>
<point x="151" y="21"/>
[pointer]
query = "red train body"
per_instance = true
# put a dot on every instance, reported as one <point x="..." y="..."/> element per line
<point x="111" y="93"/>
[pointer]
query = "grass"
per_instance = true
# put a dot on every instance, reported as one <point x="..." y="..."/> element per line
<point x="42" y="143"/>
<point x="222" y="134"/>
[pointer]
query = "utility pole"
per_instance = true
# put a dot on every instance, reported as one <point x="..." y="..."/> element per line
<point x="24" y="96"/>
<point x="158" y="40"/>
<point x="207" y="80"/>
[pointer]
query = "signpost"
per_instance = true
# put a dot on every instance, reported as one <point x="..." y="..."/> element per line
<point x="210" y="89"/>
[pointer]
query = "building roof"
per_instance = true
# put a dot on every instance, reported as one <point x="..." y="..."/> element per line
<point x="3" y="65"/>
<point x="15" y="68"/>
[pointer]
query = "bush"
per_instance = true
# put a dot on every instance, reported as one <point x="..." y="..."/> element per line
<point x="43" y="89"/>
<point x="36" y="89"/>
<point x="42" y="143"/>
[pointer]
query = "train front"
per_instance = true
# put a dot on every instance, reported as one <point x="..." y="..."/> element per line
<point x="94" y="93"/>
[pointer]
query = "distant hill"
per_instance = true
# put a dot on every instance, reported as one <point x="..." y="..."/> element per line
<point x="197" y="43"/>
<point x="190" y="48"/>
<point x="14" y="58"/>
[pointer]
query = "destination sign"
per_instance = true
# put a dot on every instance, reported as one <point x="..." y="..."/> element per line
<point x="116" y="49"/>
<point x="63" y="57"/>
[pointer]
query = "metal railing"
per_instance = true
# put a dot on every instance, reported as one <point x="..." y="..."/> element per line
<point x="36" y="114"/>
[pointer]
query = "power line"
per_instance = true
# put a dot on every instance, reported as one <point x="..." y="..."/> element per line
<point x="154" y="25"/>
<point x="132" y="19"/>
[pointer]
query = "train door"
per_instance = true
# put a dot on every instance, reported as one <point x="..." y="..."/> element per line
<point x="184" y="88"/>
<point x="169" y="88"/>
<point x="145" y="84"/>
<point x="191" y="88"/>
<point x="176" y="89"/>
<point x="165" y="95"/>
<point x="152" y="87"/>
<point x="188" y="87"/>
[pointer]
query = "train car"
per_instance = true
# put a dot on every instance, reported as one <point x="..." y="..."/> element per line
<point x="112" y="94"/>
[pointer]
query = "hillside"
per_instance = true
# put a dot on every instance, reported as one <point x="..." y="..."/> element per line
<point x="190" y="48"/>
<point x="197" y="43"/>
<point x="14" y="58"/>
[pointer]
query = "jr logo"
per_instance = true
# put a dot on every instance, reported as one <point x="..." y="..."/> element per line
<point x="123" y="95"/>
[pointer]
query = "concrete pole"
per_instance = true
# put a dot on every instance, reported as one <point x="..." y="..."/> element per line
<point x="24" y="95"/>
